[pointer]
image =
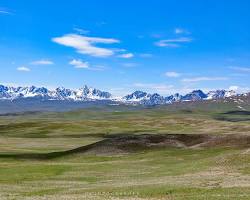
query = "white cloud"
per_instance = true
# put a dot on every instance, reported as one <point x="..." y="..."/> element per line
<point x="161" y="88"/>
<point x="172" y="74"/>
<point x="181" y="31"/>
<point x="203" y="78"/>
<point x="239" y="89"/>
<point x="126" y="55"/>
<point x="5" y="11"/>
<point x="165" y="89"/>
<point x="178" y="30"/>
<point x="42" y="62"/>
<point x="241" y="69"/>
<point x="77" y="63"/>
<point x="86" y="45"/>
<point x="233" y="87"/>
<point x="81" y="31"/>
<point x="173" y="42"/>
<point x="23" y="68"/>
<point x="162" y="43"/>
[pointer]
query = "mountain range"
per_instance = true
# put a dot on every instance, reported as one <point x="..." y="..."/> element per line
<point x="90" y="94"/>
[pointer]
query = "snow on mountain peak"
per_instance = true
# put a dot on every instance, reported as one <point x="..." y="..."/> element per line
<point x="59" y="93"/>
<point x="88" y="93"/>
<point x="218" y="94"/>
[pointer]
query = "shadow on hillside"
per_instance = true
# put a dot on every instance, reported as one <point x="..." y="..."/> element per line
<point x="237" y="112"/>
<point x="52" y="155"/>
<point x="123" y="144"/>
<point x="234" y="116"/>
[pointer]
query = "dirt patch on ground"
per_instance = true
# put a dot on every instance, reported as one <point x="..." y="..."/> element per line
<point x="127" y="144"/>
<point x="123" y="144"/>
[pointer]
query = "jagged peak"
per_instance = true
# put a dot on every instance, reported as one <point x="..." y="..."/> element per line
<point x="90" y="93"/>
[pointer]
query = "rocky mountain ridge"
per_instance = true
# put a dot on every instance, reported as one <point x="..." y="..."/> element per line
<point x="91" y="94"/>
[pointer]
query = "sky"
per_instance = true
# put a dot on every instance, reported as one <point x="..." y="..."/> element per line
<point x="161" y="46"/>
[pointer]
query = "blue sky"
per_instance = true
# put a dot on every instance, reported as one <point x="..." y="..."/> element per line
<point x="120" y="46"/>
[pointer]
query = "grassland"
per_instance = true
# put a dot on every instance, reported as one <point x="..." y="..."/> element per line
<point x="147" y="173"/>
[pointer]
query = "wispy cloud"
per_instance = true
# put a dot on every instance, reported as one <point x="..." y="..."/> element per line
<point x="204" y="78"/>
<point x="181" y="31"/>
<point x="78" y="63"/>
<point x="172" y="74"/>
<point x="81" y="31"/>
<point x="233" y="87"/>
<point x="161" y="88"/>
<point x="42" y="62"/>
<point x="165" y="89"/>
<point x="5" y="11"/>
<point x="239" y="89"/>
<point x="126" y="55"/>
<point x="23" y="68"/>
<point x="130" y="64"/>
<point x="173" y="42"/>
<point x="241" y="69"/>
<point x="86" y="45"/>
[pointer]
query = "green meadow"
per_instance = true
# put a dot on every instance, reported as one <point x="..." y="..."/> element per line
<point x="42" y="157"/>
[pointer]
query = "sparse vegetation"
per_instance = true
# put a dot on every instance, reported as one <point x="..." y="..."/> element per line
<point x="35" y="163"/>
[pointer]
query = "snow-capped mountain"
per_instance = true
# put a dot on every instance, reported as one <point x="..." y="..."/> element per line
<point x="60" y="93"/>
<point x="218" y="94"/>
<point x="154" y="99"/>
<point x="139" y="97"/>
<point x="18" y="92"/>
<point x="144" y="98"/>
<point x="136" y="96"/>
<point x="174" y="98"/>
<point x="89" y="94"/>
<point x="86" y="93"/>
<point x="194" y="96"/>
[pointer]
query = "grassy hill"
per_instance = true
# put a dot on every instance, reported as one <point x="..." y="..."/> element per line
<point x="183" y="151"/>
